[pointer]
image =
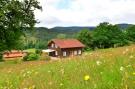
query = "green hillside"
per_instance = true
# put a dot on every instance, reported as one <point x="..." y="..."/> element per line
<point x="39" y="37"/>
<point x="101" y="69"/>
<point x="47" y="34"/>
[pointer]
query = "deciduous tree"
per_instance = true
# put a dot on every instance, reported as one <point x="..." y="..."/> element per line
<point x="131" y="33"/>
<point x="85" y="36"/>
<point x="15" y="16"/>
<point x="107" y="35"/>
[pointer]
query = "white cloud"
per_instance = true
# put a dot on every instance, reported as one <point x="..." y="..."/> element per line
<point x="85" y="12"/>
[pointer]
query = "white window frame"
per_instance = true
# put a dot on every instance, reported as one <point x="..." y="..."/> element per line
<point x="79" y="52"/>
<point x="56" y="53"/>
<point x="64" y="53"/>
<point x="52" y="45"/>
<point x="75" y="52"/>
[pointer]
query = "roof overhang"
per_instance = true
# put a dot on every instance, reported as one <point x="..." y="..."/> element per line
<point x="48" y="51"/>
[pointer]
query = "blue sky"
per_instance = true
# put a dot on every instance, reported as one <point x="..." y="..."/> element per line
<point x="85" y="12"/>
<point x="63" y="4"/>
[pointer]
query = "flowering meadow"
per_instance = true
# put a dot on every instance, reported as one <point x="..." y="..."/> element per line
<point x="112" y="68"/>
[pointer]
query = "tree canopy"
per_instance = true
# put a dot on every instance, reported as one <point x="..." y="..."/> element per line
<point x="107" y="35"/>
<point x="61" y="36"/>
<point x="131" y="33"/>
<point x="85" y="37"/>
<point x="15" y="17"/>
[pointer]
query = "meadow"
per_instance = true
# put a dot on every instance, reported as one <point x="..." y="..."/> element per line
<point x="112" y="68"/>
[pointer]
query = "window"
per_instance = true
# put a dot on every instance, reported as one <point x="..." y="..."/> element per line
<point x="75" y="52"/>
<point x="52" y="45"/>
<point x="64" y="53"/>
<point x="56" y="53"/>
<point x="79" y="51"/>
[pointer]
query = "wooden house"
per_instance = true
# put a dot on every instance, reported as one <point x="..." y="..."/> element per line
<point x="65" y="47"/>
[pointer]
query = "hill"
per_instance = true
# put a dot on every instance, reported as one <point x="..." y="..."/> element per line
<point x="124" y="25"/>
<point x="69" y="31"/>
<point x="72" y="29"/>
<point x="101" y="69"/>
<point x="41" y="35"/>
<point x="53" y="32"/>
<point x="41" y="32"/>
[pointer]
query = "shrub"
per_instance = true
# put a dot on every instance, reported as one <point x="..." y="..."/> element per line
<point x="25" y="57"/>
<point x="45" y="57"/>
<point x="31" y="57"/>
<point x="38" y="51"/>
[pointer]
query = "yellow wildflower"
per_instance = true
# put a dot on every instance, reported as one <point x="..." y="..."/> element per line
<point x="133" y="73"/>
<point x="36" y="73"/>
<point x="86" y="77"/>
<point x="131" y="57"/>
<point x="61" y="84"/>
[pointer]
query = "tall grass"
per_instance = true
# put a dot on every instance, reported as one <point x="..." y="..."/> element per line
<point x="107" y="69"/>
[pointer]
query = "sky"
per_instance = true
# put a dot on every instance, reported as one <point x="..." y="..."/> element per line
<point x="84" y="12"/>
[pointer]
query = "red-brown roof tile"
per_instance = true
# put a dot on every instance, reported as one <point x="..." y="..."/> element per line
<point x="13" y="54"/>
<point x="68" y="43"/>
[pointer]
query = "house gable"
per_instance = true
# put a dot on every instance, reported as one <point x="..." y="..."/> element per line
<point x="52" y="45"/>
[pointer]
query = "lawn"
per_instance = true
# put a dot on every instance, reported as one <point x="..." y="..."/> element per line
<point x="31" y="50"/>
<point x="112" y="68"/>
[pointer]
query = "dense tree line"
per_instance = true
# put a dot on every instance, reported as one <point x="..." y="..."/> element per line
<point x="106" y="35"/>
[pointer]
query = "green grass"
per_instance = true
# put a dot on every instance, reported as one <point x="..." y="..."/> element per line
<point x="31" y="50"/>
<point x="108" y="69"/>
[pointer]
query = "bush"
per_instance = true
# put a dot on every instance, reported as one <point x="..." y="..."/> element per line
<point x="38" y="51"/>
<point x="31" y="57"/>
<point x="45" y="57"/>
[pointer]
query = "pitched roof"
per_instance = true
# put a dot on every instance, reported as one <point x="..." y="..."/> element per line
<point x="68" y="43"/>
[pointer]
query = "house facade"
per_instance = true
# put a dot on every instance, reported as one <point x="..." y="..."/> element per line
<point x="65" y="47"/>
